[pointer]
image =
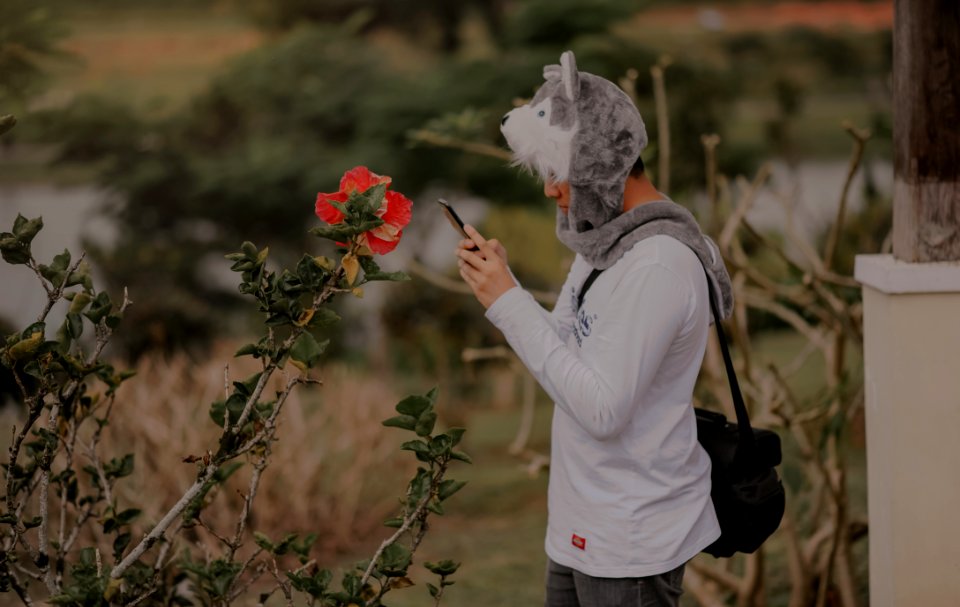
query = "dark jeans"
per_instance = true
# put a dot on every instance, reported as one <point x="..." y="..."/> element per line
<point x="567" y="587"/>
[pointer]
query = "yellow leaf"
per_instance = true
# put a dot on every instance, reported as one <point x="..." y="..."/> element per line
<point x="324" y="262"/>
<point x="364" y="251"/>
<point x="304" y="317"/>
<point x="113" y="586"/>
<point x="25" y="347"/>
<point x="351" y="266"/>
<point x="401" y="582"/>
<point x="358" y="291"/>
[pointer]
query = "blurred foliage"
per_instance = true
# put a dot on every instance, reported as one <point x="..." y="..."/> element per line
<point x="247" y="156"/>
<point x="410" y="16"/>
<point x="29" y="35"/>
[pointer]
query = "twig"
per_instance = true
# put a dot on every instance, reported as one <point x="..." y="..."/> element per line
<point x="157" y="532"/>
<point x="408" y="521"/>
<point x="724" y="578"/>
<point x="438" y="280"/>
<point x="663" y="123"/>
<point x="442" y="141"/>
<point x="54" y="295"/>
<point x="710" y="143"/>
<point x="860" y="138"/>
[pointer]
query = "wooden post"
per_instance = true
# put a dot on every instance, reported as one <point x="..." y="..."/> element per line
<point x="926" y="130"/>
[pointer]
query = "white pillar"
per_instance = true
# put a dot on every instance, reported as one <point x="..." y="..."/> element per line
<point x="912" y="376"/>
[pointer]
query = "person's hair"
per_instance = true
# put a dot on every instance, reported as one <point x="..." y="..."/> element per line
<point x="637" y="169"/>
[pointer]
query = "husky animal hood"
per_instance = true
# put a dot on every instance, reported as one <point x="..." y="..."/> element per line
<point x="583" y="129"/>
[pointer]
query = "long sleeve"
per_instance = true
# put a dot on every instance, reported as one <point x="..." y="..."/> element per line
<point x="627" y="345"/>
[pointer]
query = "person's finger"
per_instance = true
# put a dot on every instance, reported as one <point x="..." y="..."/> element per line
<point x="475" y="236"/>
<point x="485" y="249"/>
<point x="471" y="258"/>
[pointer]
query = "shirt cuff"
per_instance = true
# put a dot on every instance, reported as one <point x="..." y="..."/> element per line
<point x="506" y="306"/>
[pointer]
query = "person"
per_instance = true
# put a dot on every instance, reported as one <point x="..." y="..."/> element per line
<point x="629" y="489"/>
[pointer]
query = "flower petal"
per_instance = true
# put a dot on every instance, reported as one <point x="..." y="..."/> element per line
<point x="399" y="209"/>
<point x="326" y="211"/>
<point x="380" y="246"/>
<point x="360" y="178"/>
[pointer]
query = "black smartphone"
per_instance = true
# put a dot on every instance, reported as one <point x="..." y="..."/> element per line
<point x="454" y="219"/>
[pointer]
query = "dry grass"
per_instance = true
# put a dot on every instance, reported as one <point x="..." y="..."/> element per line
<point x="334" y="470"/>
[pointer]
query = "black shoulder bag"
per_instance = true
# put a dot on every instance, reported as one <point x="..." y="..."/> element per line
<point x="746" y="491"/>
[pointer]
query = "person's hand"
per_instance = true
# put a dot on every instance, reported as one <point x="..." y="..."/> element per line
<point x="484" y="270"/>
<point x="469" y="245"/>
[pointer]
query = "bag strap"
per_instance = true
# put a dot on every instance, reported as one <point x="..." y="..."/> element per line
<point x="747" y="443"/>
<point x="586" y="285"/>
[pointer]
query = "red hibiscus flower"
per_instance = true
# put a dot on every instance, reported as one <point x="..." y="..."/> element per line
<point x="395" y="210"/>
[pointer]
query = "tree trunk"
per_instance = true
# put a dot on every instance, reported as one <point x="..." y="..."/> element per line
<point x="926" y="129"/>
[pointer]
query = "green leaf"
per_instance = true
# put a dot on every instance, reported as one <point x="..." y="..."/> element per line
<point x="99" y="308"/>
<point x="417" y="446"/>
<point x="248" y="350"/>
<point x="120" y="544"/>
<point x="425" y="424"/>
<point x="56" y="271"/>
<point x="13" y="250"/>
<point x="25" y="229"/>
<point x="127" y="516"/>
<point x="449" y="487"/>
<point x="323" y="317"/>
<point x="455" y="435"/>
<point x="434" y="591"/>
<point x="460" y="455"/>
<point x="442" y="568"/>
<point x="372" y="272"/>
<point x="432" y="394"/>
<point x="395" y="522"/>
<point x="406" y="422"/>
<point x="7" y="122"/>
<point x="413" y="406"/>
<point x="263" y="541"/>
<point x="369" y="200"/>
<point x="306" y="351"/>
<point x="395" y="560"/>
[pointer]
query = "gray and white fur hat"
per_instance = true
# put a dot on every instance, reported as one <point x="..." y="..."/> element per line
<point x="582" y="129"/>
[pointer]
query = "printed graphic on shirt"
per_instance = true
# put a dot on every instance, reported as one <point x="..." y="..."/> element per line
<point x="579" y="542"/>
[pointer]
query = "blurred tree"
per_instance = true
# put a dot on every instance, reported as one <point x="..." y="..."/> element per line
<point x="29" y="35"/>
<point x="245" y="159"/>
<point x="410" y="16"/>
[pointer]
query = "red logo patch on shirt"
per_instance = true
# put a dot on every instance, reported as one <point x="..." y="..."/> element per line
<point x="579" y="542"/>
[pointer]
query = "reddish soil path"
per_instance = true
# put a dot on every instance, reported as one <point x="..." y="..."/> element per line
<point x="822" y="15"/>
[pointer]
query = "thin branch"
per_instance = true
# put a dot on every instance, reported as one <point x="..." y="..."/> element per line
<point x="440" y="281"/>
<point x="157" y="532"/>
<point x="724" y="578"/>
<point x="663" y="123"/>
<point x="408" y="521"/>
<point x="860" y="138"/>
<point x="54" y="295"/>
<point x="443" y="141"/>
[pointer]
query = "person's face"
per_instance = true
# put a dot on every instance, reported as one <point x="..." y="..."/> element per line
<point x="560" y="192"/>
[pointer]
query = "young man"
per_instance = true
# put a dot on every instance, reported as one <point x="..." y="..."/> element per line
<point x="629" y="494"/>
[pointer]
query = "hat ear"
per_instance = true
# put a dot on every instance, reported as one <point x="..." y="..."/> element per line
<point x="551" y="73"/>
<point x="569" y="75"/>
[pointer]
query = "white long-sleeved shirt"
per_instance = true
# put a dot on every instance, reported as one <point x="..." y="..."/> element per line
<point x="629" y="492"/>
